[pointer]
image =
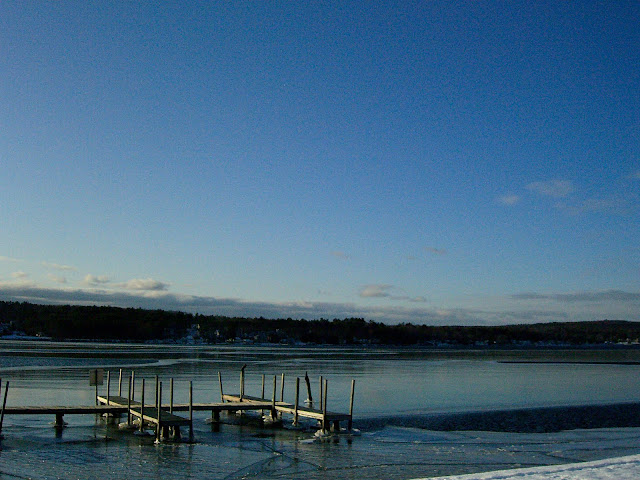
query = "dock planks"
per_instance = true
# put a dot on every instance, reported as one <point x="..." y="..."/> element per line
<point x="161" y="414"/>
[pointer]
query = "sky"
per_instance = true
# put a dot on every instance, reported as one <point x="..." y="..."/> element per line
<point x="431" y="162"/>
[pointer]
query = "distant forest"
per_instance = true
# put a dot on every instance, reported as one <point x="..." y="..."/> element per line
<point x="73" y="322"/>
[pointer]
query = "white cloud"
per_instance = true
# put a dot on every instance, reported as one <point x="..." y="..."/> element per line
<point x="376" y="291"/>
<point x="19" y="274"/>
<point x="56" y="266"/>
<point x="595" y="205"/>
<point x="94" y="280"/>
<point x="8" y="259"/>
<point x="56" y="278"/>
<point x="509" y="199"/>
<point x="143" y="284"/>
<point x="386" y="291"/>
<point x="552" y="188"/>
<point x="595" y="305"/>
<point x="339" y="254"/>
<point x="590" y="296"/>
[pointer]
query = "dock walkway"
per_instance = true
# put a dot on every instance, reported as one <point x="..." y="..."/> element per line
<point x="161" y="414"/>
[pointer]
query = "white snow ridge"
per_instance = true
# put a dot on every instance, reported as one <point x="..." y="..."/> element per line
<point x="621" y="468"/>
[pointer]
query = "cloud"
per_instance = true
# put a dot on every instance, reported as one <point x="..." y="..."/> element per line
<point x="94" y="280"/>
<point x="339" y="254"/>
<point x="386" y="291"/>
<point x="552" y="188"/>
<point x="623" y="305"/>
<point x="436" y="251"/>
<point x="595" y="205"/>
<point x="19" y="274"/>
<point x="56" y="266"/>
<point x="227" y="306"/>
<point x="509" y="199"/>
<point x="375" y="291"/>
<point x="9" y="259"/>
<point x="56" y="278"/>
<point x="619" y="296"/>
<point x="143" y="284"/>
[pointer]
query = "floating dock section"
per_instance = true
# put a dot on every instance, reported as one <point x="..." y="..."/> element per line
<point x="159" y="415"/>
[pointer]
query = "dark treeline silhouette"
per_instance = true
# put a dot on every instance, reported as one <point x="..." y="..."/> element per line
<point x="63" y="322"/>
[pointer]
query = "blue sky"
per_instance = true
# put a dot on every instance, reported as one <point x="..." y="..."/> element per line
<point x="425" y="162"/>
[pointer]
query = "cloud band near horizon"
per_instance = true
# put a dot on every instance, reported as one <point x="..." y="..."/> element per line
<point x="545" y="307"/>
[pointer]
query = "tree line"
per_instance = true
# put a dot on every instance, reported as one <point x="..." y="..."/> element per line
<point x="66" y="322"/>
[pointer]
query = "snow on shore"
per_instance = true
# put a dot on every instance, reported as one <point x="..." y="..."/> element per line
<point x="621" y="468"/>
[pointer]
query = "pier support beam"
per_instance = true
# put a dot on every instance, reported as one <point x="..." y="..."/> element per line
<point x="59" y="421"/>
<point x="295" y="407"/>
<point x="4" y="403"/>
<point x="353" y="389"/>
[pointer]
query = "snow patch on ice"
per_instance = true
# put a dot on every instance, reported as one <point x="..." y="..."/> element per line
<point x="621" y="468"/>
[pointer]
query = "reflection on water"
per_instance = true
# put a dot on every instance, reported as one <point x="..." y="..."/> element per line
<point x="390" y="383"/>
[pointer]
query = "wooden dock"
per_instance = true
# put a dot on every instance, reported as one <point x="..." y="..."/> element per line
<point x="160" y="414"/>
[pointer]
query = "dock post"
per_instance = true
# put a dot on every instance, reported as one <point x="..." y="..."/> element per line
<point x="242" y="381"/>
<point x="262" y="395"/>
<point x="282" y="388"/>
<point x="321" y="396"/>
<point x="221" y="391"/>
<point x="120" y="383"/>
<point x="129" y="402"/>
<point x="190" y="410"/>
<point x="274" y="413"/>
<point x="353" y="389"/>
<point x="108" y="384"/>
<point x="158" y="405"/>
<point x="157" y="385"/>
<point x="4" y="404"/>
<point x="59" y="421"/>
<point x="295" y="408"/>
<point x="324" y="406"/>
<point x="133" y="385"/>
<point x="96" y="370"/>
<point x="142" y="408"/>
<point x="308" y="382"/>
<point x="171" y="395"/>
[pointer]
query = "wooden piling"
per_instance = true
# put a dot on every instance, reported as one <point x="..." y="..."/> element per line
<point x="59" y="421"/>
<point x="324" y="406"/>
<point x="142" y="408"/>
<point x="133" y="385"/>
<point x="120" y="383"/>
<point x="129" y="401"/>
<point x="353" y="389"/>
<point x="242" y="381"/>
<point x="295" y="407"/>
<point x="321" y="396"/>
<point x="262" y="394"/>
<point x="4" y="403"/>
<point x="221" y="391"/>
<point x="282" y="388"/>
<point x="108" y="384"/>
<point x="274" y="413"/>
<point x="308" y="382"/>
<point x="158" y="405"/>
<point x="171" y="395"/>
<point x="157" y="385"/>
<point x="190" y="409"/>
<point x="96" y="373"/>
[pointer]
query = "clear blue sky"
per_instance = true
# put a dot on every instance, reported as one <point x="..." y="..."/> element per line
<point x="428" y="162"/>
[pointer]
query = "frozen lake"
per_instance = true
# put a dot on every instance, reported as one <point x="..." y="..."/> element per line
<point x="399" y="393"/>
